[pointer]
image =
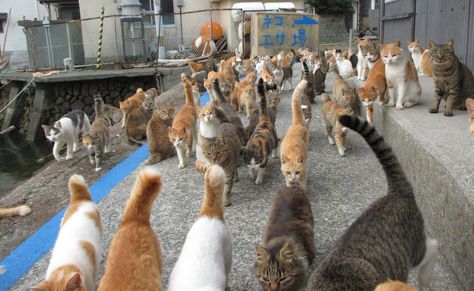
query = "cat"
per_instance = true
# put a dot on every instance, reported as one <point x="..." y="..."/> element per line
<point x="286" y="64"/>
<point x="470" y="112"/>
<point x="344" y="67"/>
<point x="319" y="74"/>
<point x="288" y="248"/>
<point x="134" y="261"/>
<point x="66" y="131"/>
<point x="131" y="103"/>
<point x="394" y="286"/>
<point x="262" y="143"/>
<point x="344" y="95"/>
<point x="362" y="69"/>
<point x="386" y="240"/>
<point x="206" y="258"/>
<point x="75" y="258"/>
<point x="294" y="146"/>
<point x="21" y="210"/>
<point x="335" y="132"/>
<point x="372" y="54"/>
<point x="373" y="89"/>
<point x="244" y="96"/>
<point x="157" y="130"/>
<point x="453" y="80"/>
<point x="97" y="140"/>
<point x="308" y="96"/>
<point x="273" y="99"/>
<point x="137" y="119"/>
<point x="309" y="91"/>
<point x="402" y="79"/>
<point x="196" y="96"/>
<point x="183" y="132"/>
<point x="416" y="51"/>
<point x="425" y="65"/>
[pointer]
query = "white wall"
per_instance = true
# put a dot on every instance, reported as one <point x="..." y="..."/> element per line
<point x="30" y="9"/>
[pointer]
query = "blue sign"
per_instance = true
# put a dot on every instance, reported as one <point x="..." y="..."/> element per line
<point x="305" y="20"/>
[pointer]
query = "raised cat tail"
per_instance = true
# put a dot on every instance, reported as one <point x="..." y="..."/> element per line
<point x="188" y="90"/>
<point x="305" y="72"/>
<point x="214" y="181"/>
<point x="219" y="96"/>
<point x="325" y="97"/>
<point x="144" y="192"/>
<point x="78" y="189"/>
<point x="296" y="110"/>
<point x="396" y="179"/>
<point x="263" y="98"/>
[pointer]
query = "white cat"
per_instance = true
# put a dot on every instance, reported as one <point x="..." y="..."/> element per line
<point x="76" y="254"/>
<point x="66" y="131"/>
<point x="206" y="257"/>
<point x="345" y="68"/>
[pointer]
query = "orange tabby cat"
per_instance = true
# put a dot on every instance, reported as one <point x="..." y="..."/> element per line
<point x="195" y="67"/>
<point x="394" y="286"/>
<point x="425" y="65"/>
<point x="134" y="261"/>
<point x="183" y="133"/>
<point x="134" y="101"/>
<point x="239" y="99"/>
<point x="334" y="130"/>
<point x="294" y="146"/>
<point x="374" y="88"/>
<point x="470" y="112"/>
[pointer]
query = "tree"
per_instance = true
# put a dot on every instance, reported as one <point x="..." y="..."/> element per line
<point x="325" y="7"/>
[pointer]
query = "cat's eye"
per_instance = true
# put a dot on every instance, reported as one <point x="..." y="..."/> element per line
<point x="297" y="172"/>
<point x="288" y="173"/>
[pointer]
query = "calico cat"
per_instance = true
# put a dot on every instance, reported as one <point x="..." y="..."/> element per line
<point x="344" y="95"/>
<point x="334" y="130"/>
<point x="288" y="246"/>
<point x="134" y="260"/>
<point x="294" y="146"/>
<point x="21" y="210"/>
<point x="157" y="129"/>
<point x="263" y="141"/>
<point x="402" y="79"/>
<point x="75" y="258"/>
<point x="136" y="121"/>
<point x="206" y="258"/>
<point x="394" y="286"/>
<point x="470" y="113"/>
<point x="183" y="132"/>
<point x="373" y="89"/>
<point x="97" y="140"/>
<point x="66" y="131"/>
<point x="386" y="240"/>
<point x="362" y="68"/>
<point x="134" y="101"/>
<point x="453" y="80"/>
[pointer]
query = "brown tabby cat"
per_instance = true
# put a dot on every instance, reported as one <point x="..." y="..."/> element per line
<point x="183" y="133"/>
<point x="273" y="99"/>
<point x="294" y="146"/>
<point x="263" y="141"/>
<point x="394" y="286"/>
<point x="157" y="130"/>
<point x="453" y="80"/>
<point x="345" y="95"/>
<point x="288" y="246"/>
<point x="21" y="210"/>
<point x="374" y="88"/>
<point x="131" y="103"/>
<point x="319" y="74"/>
<point x="334" y="130"/>
<point x="136" y="121"/>
<point x="97" y="140"/>
<point x="470" y="113"/>
<point x="134" y="261"/>
<point x="386" y="240"/>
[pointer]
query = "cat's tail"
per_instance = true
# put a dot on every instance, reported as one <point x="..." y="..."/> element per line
<point x="217" y="91"/>
<point x="21" y="210"/>
<point x="78" y="189"/>
<point x="98" y="105"/>
<point x="134" y="142"/>
<point x="325" y="97"/>
<point x="214" y="182"/>
<point x="305" y="72"/>
<point x="396" y="179"/>
<point x="188" y="90"/>
<point x="296" y="110"/>
<point x="144" y="192"/>
<point x="263" y="98"/>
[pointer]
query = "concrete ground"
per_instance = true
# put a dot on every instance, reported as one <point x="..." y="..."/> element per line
<point x="340" y="188"/>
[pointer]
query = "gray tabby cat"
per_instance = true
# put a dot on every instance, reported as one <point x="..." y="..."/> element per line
<point x="66" y="131"/>
<point x="453" y="80"/>
<point x="97" y="140"/>
<point x="308" y="96"/>
<point x="288" y="248"/>
<point x="319" y="76"/>
<point x="386" y="240"/>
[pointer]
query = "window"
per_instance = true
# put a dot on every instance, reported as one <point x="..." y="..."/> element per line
<point x="3" y="18"/>
<point x="1" y="26"/>
<point x="167" y="9"/>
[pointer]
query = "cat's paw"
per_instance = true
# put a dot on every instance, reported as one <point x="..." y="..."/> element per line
<point x="259" y="180"/>
<point x="75" y="149"/>
<point x="448" y="113"/>
<point x="410" y="104"/>
<point x="182" y="165"/>
<point x="399" y="107"/>
<point x="69" y="158"/>
<point x="97" y="169"/>
<point x="433" y="110"/>
<point x="381" y="103"/>
<point x="390" y="104"/>
<point x="331" y="140"/>
<point x="341" y="152"/>
<point x="59" y="159"/>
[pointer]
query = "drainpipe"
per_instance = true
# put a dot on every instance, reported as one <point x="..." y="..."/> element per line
<point x="413" y="20"/>
<point x="381" y="25"/>
<point x="159" y="29"/>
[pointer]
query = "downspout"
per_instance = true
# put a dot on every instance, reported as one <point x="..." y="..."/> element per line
<point x="413" y="20"/>
<point x="381" y="16"/>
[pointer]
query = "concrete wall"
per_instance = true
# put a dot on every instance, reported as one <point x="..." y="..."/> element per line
<point x="29" y="9"/>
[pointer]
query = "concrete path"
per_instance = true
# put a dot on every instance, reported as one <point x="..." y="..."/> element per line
<point x="340" y="188"/>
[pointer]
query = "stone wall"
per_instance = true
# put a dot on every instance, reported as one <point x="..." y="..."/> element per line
<point x="332" y="29"/>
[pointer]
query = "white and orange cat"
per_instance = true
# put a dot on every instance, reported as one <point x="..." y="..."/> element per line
<point x="134" y="261"/>
<point x="206" y="258"/>
<point x="183" y="132"/>
<point x="421" y="58"/>
<point x="403" y="85"/>
<point x="470" y="112"/>
<point x="76" y="254"/>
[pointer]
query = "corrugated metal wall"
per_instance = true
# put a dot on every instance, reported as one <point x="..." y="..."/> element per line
<point x="437" y="20"/>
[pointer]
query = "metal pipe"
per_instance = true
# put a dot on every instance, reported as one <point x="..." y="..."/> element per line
<point x="381" y="25"/>
<point x="413" y="20"/>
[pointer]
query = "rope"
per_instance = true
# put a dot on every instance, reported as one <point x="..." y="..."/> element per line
<point x="99" y="49"/>
<point x="13" y="99"/>
<point x="5" y="84"/>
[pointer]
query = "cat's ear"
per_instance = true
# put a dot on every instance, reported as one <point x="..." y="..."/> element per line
<point x="450" y="43"/>
<point x="74" y="282"/>
<point x="41" y="286"/>
<point x="261" y="254"/>
<point x="432" y="44"/>
<point x="183" y="129"/>
<point x="45" y="128"/>
<point x="300" y="160"/>
<point x="284" y="159"/>
<point x="58" y="124"/>
<point x="287" y="253"/>
<point x="398" y="43"/>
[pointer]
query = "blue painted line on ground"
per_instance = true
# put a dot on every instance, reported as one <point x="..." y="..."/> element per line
<point x="18" y="262"/>
<point x="204" y="98"/>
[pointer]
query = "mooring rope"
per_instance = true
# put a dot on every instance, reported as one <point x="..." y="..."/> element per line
<point x="99" y="49"/>
<point x="13" y="99"/>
